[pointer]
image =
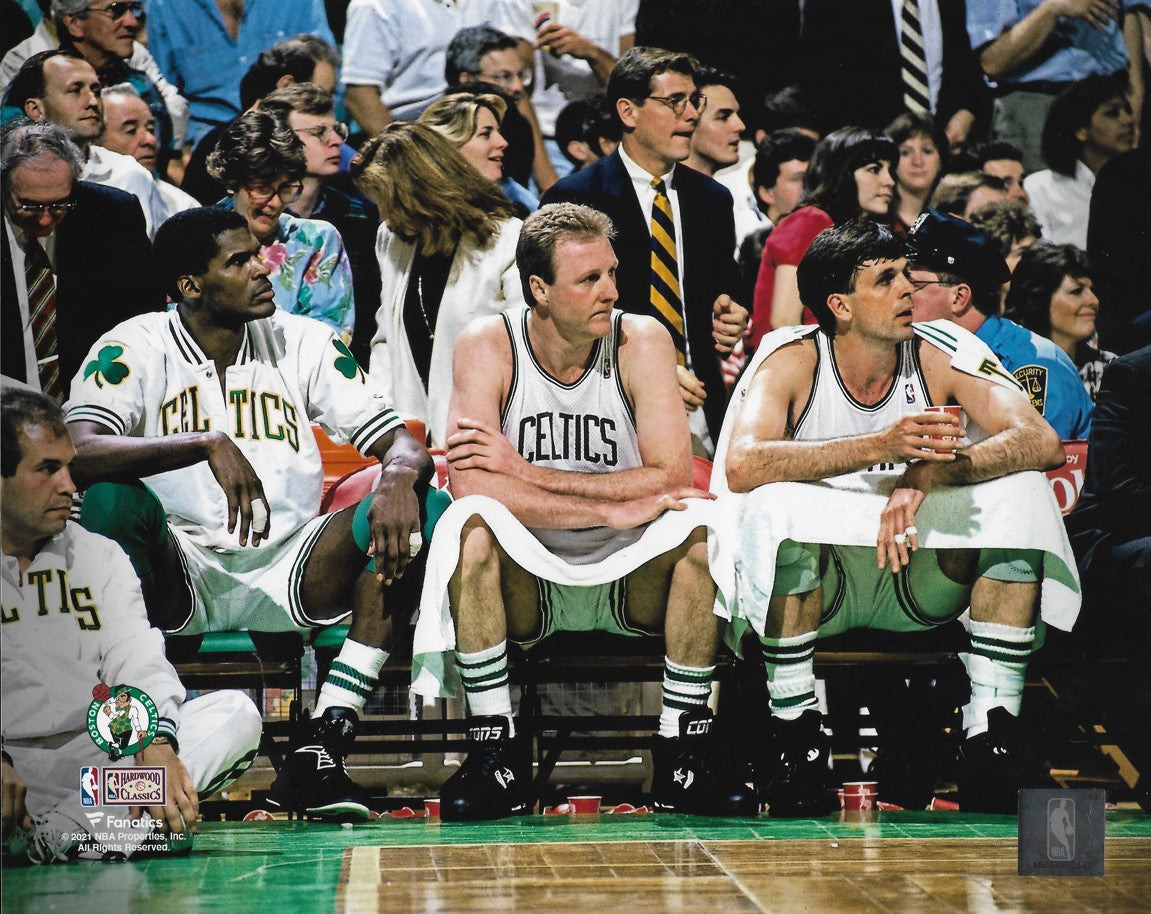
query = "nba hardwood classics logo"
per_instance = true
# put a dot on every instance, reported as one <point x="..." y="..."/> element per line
<point x="121" y="720"/>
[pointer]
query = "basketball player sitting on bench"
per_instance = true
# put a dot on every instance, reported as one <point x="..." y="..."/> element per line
<point x="912" y="520"/>
<point x="570" y="461"/>
<point x="211" y="403"/>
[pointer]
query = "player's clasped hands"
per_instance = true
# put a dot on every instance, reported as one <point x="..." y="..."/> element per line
<point x="247" y="506"/>
<point x="921" y="436"/>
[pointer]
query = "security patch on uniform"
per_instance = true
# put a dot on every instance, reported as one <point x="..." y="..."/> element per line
<point x="1033" y="380"/>
<point x="1061" y="832"/>
<point x="122" y="720"/>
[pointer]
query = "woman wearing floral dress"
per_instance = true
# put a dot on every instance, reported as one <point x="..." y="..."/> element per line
<point x="261" y="162"/>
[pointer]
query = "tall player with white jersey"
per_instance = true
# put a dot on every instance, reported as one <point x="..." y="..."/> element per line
<point x="211" y="405"/>
<point x="570" y="461"/>
<point x="848" y="401"/>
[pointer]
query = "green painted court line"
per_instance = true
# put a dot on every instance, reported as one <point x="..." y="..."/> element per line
<point x="295" y="866"/>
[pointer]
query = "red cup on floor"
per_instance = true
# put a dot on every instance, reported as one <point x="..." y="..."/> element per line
<point x="956" y="414"/>
<point x="860" y="795"/>
<point x="584" y="806"/>
<point x="432" y="807"/>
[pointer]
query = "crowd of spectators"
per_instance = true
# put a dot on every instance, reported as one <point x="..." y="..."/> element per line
<point x="1016" y="128"/>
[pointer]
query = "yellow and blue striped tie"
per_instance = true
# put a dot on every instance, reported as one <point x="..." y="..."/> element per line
<point x="666" y="303"/>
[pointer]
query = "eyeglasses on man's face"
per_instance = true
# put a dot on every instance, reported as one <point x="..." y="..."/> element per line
<point x="323" y="132"/>
<point x="55" y="207"/>
<point x="679" y="102"/>
<point x="288" y="192"/>
<point x="119" y="10"/>
<point x="921" y="284"/>
<point x="505" y="77"/>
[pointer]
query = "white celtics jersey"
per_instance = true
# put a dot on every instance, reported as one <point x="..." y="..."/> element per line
<point x="586" y="427"/>
<point x="148" y="378"/>
<point x="832" y="412"/>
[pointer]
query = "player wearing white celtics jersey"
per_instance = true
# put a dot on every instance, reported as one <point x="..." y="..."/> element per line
<point x="72" y="618"/>
<point x="568" y="440"/>
<point x="850" y="398"/>
<point x="210" y="405"/>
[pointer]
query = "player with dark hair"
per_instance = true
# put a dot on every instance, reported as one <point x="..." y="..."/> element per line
<point x="911" y="523"/>
<point x="209" y="404"/>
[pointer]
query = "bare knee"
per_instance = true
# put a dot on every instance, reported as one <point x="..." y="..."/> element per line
<point x="694" y="559"/>
<point x="479" y="549"/>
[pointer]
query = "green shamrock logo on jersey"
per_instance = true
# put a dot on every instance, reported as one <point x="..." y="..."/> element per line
<point x="106" y="367"/>
<point x="346" y="364"/>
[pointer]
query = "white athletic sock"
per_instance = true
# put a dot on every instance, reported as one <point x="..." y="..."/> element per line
<point x="352" y="677"/>
<point x="685" y="688"/>
<point x="790" y="665"/>
<point x="485" y="678"/>
<point x="997" y="666"/>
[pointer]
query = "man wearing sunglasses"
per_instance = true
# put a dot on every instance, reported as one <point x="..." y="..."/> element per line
<point x="103" y="32"/>
<point x="86" y="267"/>
<point x="675" y="231"/>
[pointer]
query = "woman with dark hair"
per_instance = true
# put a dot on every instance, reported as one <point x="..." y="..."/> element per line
<point x="261" y="162"/>
<point x="923" y="153"/>
<point x="1087" y="126"/>
<point x="850" y="176"/>
<point x="1051" y="295"/>
<point x="447" y="252"/>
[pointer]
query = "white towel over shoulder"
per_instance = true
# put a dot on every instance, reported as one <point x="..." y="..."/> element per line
<point x="433" y="663"/>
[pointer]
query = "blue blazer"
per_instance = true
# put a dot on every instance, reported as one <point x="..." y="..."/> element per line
<point x="709" y="268"/>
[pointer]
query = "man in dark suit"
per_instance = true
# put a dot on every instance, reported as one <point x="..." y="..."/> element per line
<point x="654" y="95"/>
<point x="96" y="247"/>
<point x="851" y="65"/>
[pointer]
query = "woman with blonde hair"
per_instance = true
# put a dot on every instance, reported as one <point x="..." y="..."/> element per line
<point x="447" y="252"/>
<point x="472" y="123"/>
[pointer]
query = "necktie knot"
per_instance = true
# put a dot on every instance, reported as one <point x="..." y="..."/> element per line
<point x="660" y="187"/>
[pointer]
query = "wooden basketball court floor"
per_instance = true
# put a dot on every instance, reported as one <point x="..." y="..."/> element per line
<point x="897" y="861"/>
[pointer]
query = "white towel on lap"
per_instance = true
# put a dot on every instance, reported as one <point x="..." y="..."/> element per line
<point x="1017" y="511"/>
<point x="433" y="663"/>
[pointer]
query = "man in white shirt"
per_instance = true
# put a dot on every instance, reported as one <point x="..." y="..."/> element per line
<point x="60" y="87"/>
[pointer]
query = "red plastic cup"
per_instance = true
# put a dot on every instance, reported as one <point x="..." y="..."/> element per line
<point x="860" y="795"/>
<point x="584" y="806"/>
<point x="432" y="807"/>
<point x="955" y="412"/>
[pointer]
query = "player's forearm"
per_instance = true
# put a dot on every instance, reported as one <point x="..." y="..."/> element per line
<point x="752" y="463"/>
<point x="1012" y="49"/>
<point x="531" y="505"/>
<point x="621" y="485"/>
<point x="120" y="457"/>
<point x="1033" y="446"/>
<point x="403" y="453"/>
<point x="602" y="63"/>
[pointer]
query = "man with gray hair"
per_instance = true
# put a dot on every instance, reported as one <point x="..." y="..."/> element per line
<point x="72" y="259"/>
<point x="570" y="461"/>
<point x="103" y="32"/>
<point x="61" y="87"/>
<point x="130" y="129"/>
